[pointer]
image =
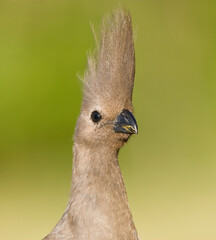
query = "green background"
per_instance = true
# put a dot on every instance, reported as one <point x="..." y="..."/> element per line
<point x="169" y="167"/>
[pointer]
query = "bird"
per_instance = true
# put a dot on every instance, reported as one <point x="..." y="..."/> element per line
<point x="98" y="208"/>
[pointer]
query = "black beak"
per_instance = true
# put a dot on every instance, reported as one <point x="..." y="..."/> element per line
<point x="126" y="123"/>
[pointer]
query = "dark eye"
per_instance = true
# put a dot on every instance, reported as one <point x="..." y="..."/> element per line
<point x="95" y="116"/>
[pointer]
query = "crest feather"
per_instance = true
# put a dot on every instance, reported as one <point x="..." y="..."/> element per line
<point x="110" y="73"/>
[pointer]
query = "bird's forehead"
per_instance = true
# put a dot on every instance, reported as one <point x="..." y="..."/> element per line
<point x="112" y="108"/>
<point x="108" y="107"/>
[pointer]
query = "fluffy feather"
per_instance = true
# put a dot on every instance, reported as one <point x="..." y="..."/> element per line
<point x="113" y="67"/>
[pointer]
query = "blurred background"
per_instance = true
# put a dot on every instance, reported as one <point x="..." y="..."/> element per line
<point x="169" y="168"/>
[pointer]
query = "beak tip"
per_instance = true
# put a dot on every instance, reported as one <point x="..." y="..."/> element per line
<point x="136" y="132"/>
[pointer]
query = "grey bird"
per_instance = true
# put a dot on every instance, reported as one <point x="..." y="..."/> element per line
<point x="98" y="208"/>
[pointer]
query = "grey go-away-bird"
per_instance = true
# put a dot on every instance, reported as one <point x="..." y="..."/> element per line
<point x="98" y="207"/>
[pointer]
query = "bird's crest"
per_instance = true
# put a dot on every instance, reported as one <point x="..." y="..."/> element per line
<point x="110" y="73"/>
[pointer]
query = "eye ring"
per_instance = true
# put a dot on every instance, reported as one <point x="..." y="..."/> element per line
<point x="96" y="116"/>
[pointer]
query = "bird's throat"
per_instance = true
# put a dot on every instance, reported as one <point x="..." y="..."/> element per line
<point x="98" y="206"/>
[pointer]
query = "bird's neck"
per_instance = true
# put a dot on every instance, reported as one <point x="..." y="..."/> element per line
<point x="98" y="206"/>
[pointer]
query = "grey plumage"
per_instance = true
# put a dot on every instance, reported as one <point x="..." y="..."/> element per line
<point x="98" y="207"/>
<point x="113" y="67"/>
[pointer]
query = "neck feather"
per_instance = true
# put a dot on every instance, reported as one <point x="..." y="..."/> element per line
<point x="99" y="206"/>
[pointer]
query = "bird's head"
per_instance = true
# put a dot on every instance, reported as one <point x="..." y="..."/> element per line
<point x="106" y="116"/>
